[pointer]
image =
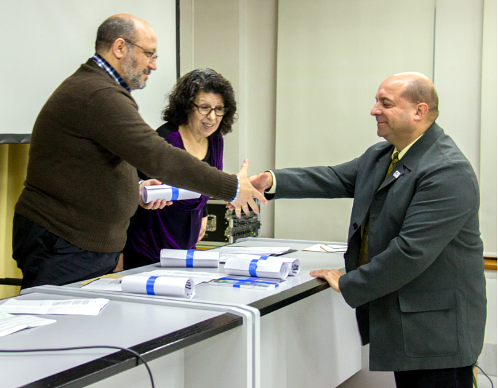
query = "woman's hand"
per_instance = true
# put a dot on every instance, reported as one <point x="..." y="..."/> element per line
<point x="202" y="232"/>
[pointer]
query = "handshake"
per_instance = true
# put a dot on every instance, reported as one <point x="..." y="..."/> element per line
<point x="250" y="188"/>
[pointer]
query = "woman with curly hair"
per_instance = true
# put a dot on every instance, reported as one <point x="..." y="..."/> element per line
<point x="201" y="110"/>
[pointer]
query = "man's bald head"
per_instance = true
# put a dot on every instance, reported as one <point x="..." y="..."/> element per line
<point x="420" y="89"/>
<point x="117" y="26"/>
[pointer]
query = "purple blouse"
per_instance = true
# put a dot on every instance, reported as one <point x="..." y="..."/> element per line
<point x="176" y="226"/>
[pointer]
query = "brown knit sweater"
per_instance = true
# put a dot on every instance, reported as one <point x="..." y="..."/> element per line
<point x="87" y="144"/>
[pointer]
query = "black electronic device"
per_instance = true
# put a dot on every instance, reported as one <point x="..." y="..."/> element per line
<point x="224" y="227"/>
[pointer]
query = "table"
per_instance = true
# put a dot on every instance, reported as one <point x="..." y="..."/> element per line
<point x="300" y="334"/>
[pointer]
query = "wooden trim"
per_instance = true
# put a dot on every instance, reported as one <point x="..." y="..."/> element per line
<point x="490" y="264"/>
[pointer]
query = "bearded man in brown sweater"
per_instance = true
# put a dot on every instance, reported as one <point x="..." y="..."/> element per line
<point x="87" y="143"/>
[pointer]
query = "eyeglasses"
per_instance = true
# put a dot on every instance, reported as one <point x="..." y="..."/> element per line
<point x="150" y="54"/>
<point x="206" y="110"/>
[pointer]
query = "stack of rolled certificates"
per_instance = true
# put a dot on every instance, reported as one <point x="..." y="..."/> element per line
<point x="262" y="266"/>
<point x="189" y="258"/>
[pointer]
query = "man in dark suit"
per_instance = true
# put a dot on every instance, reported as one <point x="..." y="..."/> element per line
<point x="414" y="264"/>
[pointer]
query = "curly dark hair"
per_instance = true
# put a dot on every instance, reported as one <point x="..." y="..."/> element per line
<point x="182" y="97"/>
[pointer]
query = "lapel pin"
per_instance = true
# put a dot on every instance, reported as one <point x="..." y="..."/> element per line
<point x="396" y="174"/>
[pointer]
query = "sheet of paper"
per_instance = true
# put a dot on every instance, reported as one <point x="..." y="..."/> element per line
<point x="104" y="284"/>
<point x="159" y="285"/>
<point x="327" y="248"/>
<point x="60" y="307"/>
<point x="257" y="266"/>
<point x="251" y="283"/>
<point x="189" y="258"/>
<point x="197" y="277"/>
<point x="11" y="323"/>
<point x="231" y="251"/>
<point x="260" y="251"/>
<point x="111" y="275"/>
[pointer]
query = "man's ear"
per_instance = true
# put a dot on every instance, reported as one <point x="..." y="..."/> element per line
<point x="119" y="48"/>
<point x="421" y="111"/>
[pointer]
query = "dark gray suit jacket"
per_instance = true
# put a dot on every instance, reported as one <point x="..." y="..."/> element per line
<point x="421" y="299"/>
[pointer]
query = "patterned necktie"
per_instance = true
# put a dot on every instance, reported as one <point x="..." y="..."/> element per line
<point x="363" y="258"/>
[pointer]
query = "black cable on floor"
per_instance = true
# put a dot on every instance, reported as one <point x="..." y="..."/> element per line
<point x="492" y="386"/>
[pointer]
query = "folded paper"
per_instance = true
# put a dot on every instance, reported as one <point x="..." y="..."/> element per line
<point x="257" y="266"/>
<point x="169" y="193"/>
<point x="189" y="258"/>
<point x="159" y="285"/>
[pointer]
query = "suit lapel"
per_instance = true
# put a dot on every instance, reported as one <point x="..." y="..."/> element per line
<point x="413" y="156"/>
<point x="380" y="171"/>
<point x="397" y="171"/>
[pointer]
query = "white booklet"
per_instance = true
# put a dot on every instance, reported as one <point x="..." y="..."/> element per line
<point x="327" y="248"/>
<point x="167" y="192"/>
<point x="261" y="251"/>
<point x="159" y="285"/>
<point x="197" y="277"/>
<point x="189" y="258"/>
<point x="257" y="266"/>
<point x="60" y="307"/>
<point x="11" y="323"/>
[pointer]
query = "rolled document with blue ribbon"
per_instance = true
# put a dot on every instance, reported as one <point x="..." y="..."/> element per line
<point x="158" y="285"/>
<point x="294" y="264"/>
<point x="258" y="266"/>
<point x="189" y="258"/>
<point x="169" y="193"/>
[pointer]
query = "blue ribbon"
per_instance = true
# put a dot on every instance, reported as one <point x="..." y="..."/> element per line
<point x="174" y="193"/>
<point x="190" y="257"/>
<point x="150" y="285"/>
<point x="254" y="264"/>
<point x="242" y="281"/>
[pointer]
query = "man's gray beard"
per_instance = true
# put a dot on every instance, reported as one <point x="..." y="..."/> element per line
<point x="133" y="77"/>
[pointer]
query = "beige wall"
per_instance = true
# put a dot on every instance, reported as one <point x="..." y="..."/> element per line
<point x="488" y="144"/>
<point x="238" y="39"/>
<point x="323" y="104"/>
<point x="331" y="57"/>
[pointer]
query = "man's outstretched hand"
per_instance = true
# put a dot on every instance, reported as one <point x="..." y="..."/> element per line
<point x="245" y="200"/>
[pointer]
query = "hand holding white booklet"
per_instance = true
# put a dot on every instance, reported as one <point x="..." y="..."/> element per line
<point x="189" y="258"/>
<point x="257" y="266"/>
<point x="158" y="285"/>
<point x="169" y="193"/>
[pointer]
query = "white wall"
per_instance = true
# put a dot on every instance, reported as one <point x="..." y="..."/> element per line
<point x="47" y="40"/>
<point x="248" y="57"/>
<point x="488" y="160"/>
<point x="238" y="39"/>
<point x="332" y="56"/>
